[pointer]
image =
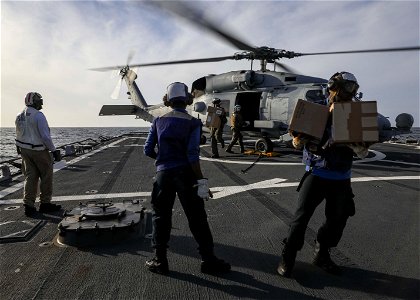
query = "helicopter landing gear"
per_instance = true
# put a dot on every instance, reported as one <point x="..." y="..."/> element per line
<point x="264" y="145"/>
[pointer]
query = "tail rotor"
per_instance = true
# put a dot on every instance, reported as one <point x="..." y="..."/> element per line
<point x="117" y="90"/>
<point x="121" y="73"/>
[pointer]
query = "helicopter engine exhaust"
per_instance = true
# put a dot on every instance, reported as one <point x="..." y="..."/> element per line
<point x="242" y="80"/>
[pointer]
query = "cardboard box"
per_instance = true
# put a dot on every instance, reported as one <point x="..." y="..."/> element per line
<point x="213" y="116"/>
<point x="354" y="122"/>
<point x="309" y="118"/>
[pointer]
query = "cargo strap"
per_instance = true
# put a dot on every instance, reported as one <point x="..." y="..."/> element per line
<point x="253" y="164"/>
<point x="307" y="173"/>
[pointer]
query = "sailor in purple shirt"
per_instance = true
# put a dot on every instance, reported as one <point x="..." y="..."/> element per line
<point x="174" y="142"/>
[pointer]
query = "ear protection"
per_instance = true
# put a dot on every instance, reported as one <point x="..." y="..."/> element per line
<point x="332" y="82"/>
<point x="190" y="98"/>
<point x="177" y="91"/>
<point x="33" y="98"/>
<point x="166" y="102"/>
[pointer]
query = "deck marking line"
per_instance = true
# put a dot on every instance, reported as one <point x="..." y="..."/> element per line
<point x="218" y="192"/>
<point x="58" y="166"/>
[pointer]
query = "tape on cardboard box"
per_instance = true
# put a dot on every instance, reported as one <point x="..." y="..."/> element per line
<point x="355" y="122"/>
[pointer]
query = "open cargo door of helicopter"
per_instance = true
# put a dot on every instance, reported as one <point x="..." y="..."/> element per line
<point x="250" y="106"/>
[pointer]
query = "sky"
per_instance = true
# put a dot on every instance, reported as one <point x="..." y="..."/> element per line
<point x="48" y="47"/>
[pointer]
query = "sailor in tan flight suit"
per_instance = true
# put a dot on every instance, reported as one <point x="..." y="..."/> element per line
<point x="236" y="123"/>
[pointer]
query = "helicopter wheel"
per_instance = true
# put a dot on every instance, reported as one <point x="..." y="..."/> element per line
<point x="264" y="145"/>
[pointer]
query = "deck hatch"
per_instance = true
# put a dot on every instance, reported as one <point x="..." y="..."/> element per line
<point x="100" y="222"/>
<point x="19" y="231"/>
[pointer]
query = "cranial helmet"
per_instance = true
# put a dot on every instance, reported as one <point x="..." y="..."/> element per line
<point x="237" y="108"/>
<point x="343" y="81"/>
<point x="33" y="98"/>
<point x="177" y="91"/>
<point x="216" y="101"/>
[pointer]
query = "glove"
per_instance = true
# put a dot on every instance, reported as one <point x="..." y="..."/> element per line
<point x="57" y="155"/>
<point x="203" y="190"/>
<point x="359" y="149"/>
<point x="300" y="141"/>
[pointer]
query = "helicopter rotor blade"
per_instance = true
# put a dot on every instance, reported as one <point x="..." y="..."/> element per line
<point x="286" y="68"/>
<point x="188" y="12"/>
<point x="363" y="51"/>
<point x="186" y="61"/>
<point x="104" y="69"/>
<point x="173" y="62"/>
<point x="116" y="93"/>
<point x="130" y="56"/>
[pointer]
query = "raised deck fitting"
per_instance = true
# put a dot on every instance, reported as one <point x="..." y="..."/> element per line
<point x="99" y="222"/>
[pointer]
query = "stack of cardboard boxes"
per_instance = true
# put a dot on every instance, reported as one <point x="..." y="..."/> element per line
<point x="213" y="116"/>
<point x="352" y="122"/>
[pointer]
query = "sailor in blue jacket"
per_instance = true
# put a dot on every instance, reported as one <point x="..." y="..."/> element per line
<point x="328" y="174"/>
<point x="176" y="135"/>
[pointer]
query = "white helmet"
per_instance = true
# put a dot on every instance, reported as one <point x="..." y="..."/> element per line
<point x="237" y="108"/>
<point x="344" y="81"/>
<point x="33" y="98"/>
<point x="177" y="91"/>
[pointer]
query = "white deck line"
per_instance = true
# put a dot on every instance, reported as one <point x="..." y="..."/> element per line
<point x="218" y="192"/>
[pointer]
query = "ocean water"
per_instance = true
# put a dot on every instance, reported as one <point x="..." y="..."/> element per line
<point x="62" y="136"/>
<point x="66" y="135"/>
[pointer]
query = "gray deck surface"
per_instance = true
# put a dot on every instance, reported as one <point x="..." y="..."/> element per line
<point x="248" y="216"/>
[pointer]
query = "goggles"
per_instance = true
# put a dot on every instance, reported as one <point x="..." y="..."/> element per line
<point x="350" y="87"/>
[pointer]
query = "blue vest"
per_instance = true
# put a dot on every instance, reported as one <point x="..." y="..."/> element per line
<point x="175" y="141"/>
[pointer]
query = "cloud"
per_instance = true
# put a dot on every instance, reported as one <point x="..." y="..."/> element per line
<point x="48" y="46"/>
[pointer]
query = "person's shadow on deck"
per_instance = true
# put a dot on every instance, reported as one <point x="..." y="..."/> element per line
<point x="306" y="274"/>
<point x="355" y="278"/>
<point x="247" y="287"/>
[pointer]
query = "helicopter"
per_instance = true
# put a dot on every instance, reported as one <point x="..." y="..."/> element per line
<point x="267" y="97"/>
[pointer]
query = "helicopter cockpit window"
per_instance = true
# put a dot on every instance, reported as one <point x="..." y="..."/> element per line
<point x="315" y="96"/>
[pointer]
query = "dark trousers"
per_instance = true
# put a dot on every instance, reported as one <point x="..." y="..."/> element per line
<point x="339" y="206"/>
<point x="236" y="137"/>
<point x="168" y="184"/>
<point x="216" y="136"/>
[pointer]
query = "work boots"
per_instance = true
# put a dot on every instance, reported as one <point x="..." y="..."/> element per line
<point x="214" y="265"/>
<point x="323" y="260"/>
<point x="288" y="257"/>
<point x="30" y="211"/>
<point x="49" y="207"/>
<point x="159" y="263"/>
